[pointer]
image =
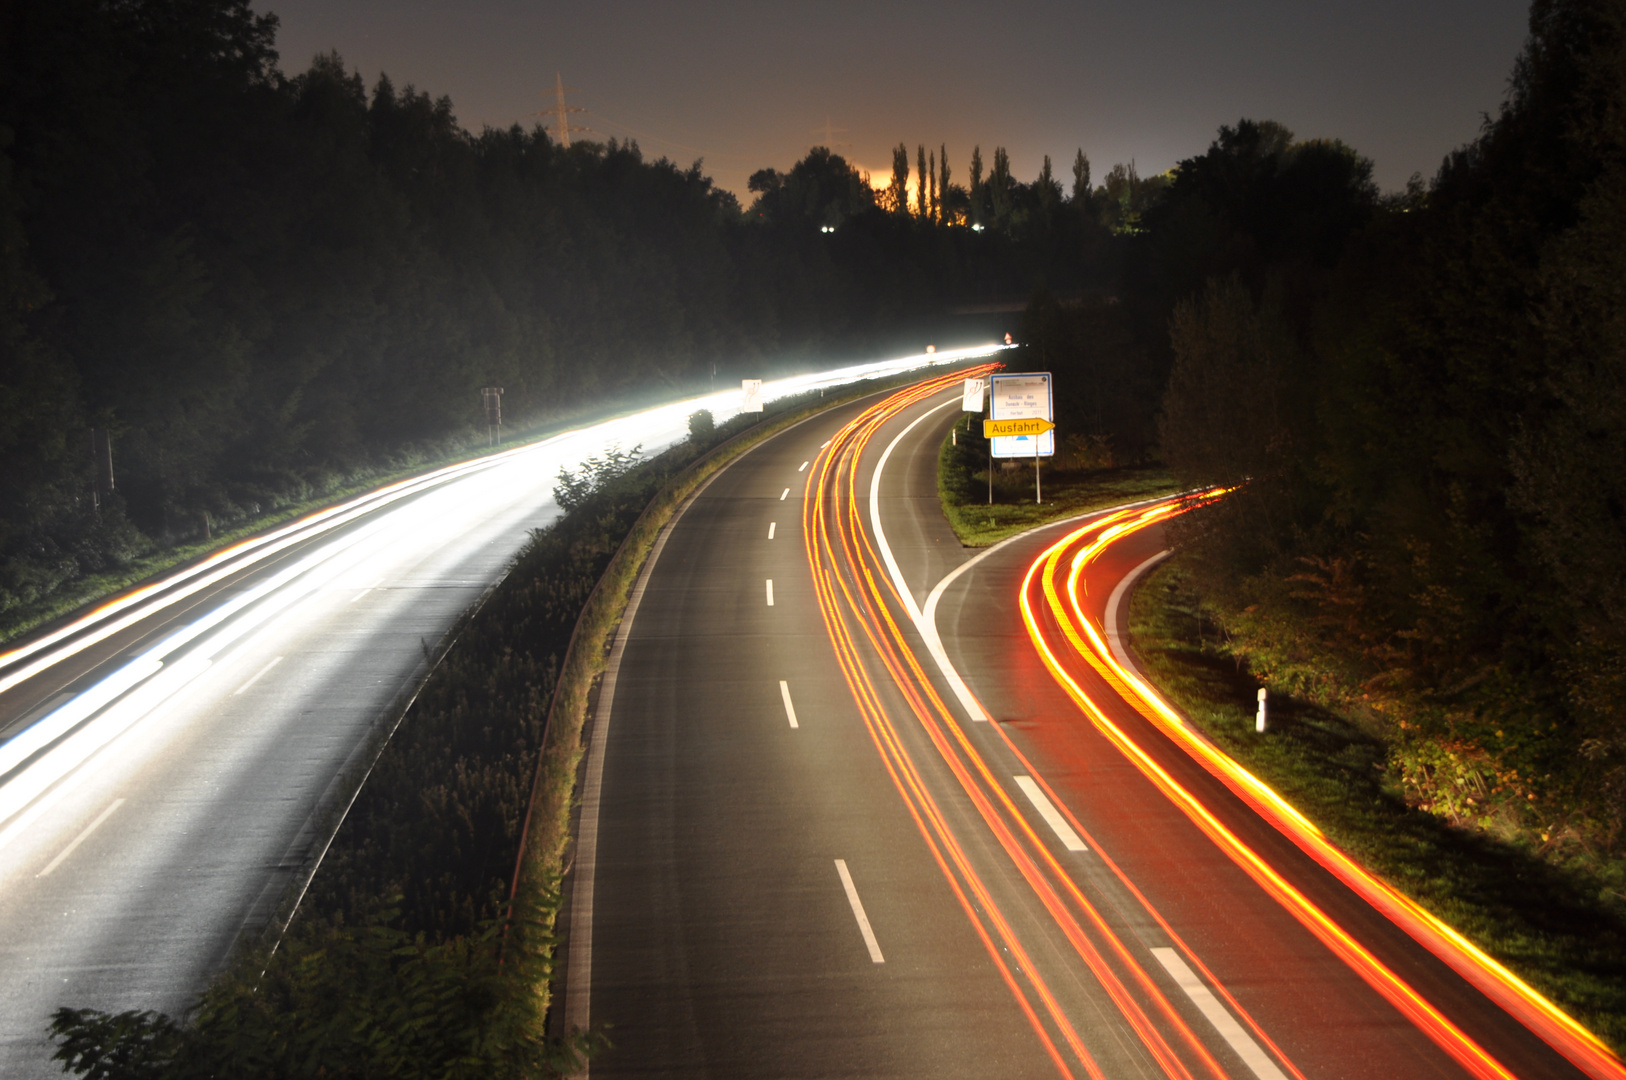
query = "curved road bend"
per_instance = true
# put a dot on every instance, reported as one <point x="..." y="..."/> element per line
<point x="726" y="940"/>
<point x="160" y="765"/>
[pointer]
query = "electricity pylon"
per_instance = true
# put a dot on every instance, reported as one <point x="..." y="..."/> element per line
<point x="829" y="134"/>
<point x="560" y="113"/>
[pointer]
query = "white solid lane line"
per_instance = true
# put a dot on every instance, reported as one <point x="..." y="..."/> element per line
<point x="1052" y="816"/>
<point x="925" y="620"/>
<point x="790" y="710"/>
<point x="782" y="494"/>
<point x="1231" y="1031"/>
<point x="904" y="592"/>
<point x="1114" y="634"/>
<point x="256" y="676"/>
<point x="80" y="839"/>
<point x="805" y="464"/>
<point x="771" y="526"/>
<point x="770" y="592"/>
<point x="858" y="913"/>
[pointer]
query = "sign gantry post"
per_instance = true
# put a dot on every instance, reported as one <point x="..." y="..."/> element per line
<point x="492" y="397"/>
<point x="971" y="402"/>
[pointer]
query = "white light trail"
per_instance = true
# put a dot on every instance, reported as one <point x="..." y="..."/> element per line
<point x="42" y="759"/>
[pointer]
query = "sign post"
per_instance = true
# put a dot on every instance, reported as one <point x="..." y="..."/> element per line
<point x="491" y="396"/>
<point x="1025" y="401"/>
<point x="753" y="395"/>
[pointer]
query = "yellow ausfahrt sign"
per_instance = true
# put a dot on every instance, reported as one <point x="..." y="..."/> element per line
<point x="992" y="429"/>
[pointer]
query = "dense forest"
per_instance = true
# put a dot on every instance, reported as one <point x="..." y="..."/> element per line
<point x="254" y="288"/>
<point x="1421" y="400"/>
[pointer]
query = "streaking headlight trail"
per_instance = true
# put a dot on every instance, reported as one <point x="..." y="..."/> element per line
<point x="277" y="571"/>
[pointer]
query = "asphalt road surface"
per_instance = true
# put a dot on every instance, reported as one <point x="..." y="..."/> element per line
<point x="805" y="855"/>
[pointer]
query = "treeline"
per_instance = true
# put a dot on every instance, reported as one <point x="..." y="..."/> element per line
<point x="264" y="287"/>
<point x="1421" y="401"/>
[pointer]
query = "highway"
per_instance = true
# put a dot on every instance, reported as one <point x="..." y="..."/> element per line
<point x="861" y="802"/>
<point x="165" y="761"/>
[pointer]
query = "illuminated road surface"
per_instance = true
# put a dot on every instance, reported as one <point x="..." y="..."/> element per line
<point x="811" y="855"/>
<point x="165" y="760"/>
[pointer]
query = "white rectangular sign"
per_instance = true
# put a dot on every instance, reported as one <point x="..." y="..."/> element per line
<point x="1022" y="397"/>
<point x="753" y="395"/>
<point x="971" y="399"/>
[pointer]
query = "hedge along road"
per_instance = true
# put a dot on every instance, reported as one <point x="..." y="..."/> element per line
<point x="167" y="760"/>
<point x="813" y="858"/>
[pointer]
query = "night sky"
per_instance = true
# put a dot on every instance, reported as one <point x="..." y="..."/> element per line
<point x="751" y="85"/>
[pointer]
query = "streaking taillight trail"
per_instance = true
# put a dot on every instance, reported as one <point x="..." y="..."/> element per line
<point x="857" y="600"/>
<point x="1052" y="584"/>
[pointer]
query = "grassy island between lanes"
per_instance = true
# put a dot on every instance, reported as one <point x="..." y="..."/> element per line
<point x="1561" y="926"/>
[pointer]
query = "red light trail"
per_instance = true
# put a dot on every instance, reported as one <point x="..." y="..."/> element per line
<point x="858" y="603"/>
<point x="1054" y="590"/>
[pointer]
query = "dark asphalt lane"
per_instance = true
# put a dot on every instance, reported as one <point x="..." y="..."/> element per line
<point x="724" y="943"/>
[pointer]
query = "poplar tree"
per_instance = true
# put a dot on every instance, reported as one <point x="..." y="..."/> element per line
<point x="898" y="193"/>
<point x="920" y="170"/>
<point x="999" y="185"/>
<point x="931" y="174"/>
<point x="976" y="185"/>
<point x="1048" y="190"/>
<point x="1081" y="181"/>
<point x="942" y="179"/>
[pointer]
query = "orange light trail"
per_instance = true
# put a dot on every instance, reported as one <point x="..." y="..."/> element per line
<point x="1087" y="641"/>
<point x="851" y="592"/>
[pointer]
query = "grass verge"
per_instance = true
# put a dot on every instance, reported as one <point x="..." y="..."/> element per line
<point x="962" y="487"/>
<point x="1560" y="928"/>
